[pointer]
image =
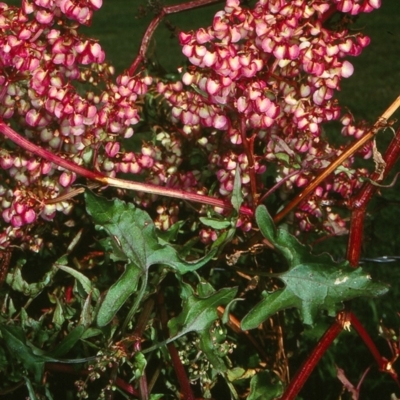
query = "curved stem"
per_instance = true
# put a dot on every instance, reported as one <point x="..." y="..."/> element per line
<point x="114" y="182"/>
<point x="156" y="21"/>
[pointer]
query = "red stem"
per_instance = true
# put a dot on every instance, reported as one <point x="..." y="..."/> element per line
<point x="383" y="364"/>
<point x="183" y="380"/>
<point x="156" y="21"/>
<point x="248" y="145"/>
<point x="115" y="182"/>
<point x="308" y="366"/>
<point x="368" y="342"/>
<point x="360" y="202"/>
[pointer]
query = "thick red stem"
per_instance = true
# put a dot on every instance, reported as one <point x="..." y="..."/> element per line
<point x="360" y="202"/>
<point x="355" y="236"/>
<point x="308" y="366"/>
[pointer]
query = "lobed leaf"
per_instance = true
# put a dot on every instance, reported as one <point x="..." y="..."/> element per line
<point x="135" y="234"/>
<point x="312" y="282"/>
<point x="200" y="312"/>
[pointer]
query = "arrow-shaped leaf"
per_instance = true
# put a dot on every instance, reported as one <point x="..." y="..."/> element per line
<point x="199" y="313"/>
<point x="312" y="282"/>
<point x="135" y="234"/>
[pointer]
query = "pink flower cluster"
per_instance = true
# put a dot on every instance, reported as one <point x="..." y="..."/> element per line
<point x="260" y="86"/>
<point x="275" y="67"/>
<point x="41" y="55"/>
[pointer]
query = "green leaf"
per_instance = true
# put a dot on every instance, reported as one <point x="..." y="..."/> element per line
<point x="15" y="339"/>
<point x="139" y="362"/>
<point x="215" y="223"/>
<point x="82" y="279"/>
<point x="17" y="282"/>
<point x="171" y="234"/>
<point x="118" y="294"/>
<point x="214" y="345"/>
<point x="265" y="223"/>
<point x="134" y="233"/>
<point x="263" y="386"/>
<point x="130" y="227"/>
<point x="68" y="342"/>
<point x="233" y="374"/>
<point x="207" y="345"/>
<point x="283" y="157"/>
<point x="86" y="317"/>
<point x="237" y="196"/>
<point x="312" y="282"/>
<point x="156" y="396"/>
<point x="199" y="313"/>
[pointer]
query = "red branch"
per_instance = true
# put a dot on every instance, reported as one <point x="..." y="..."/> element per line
<point x="181" y="375"/>
<point x="156" y="21"/>
<point x="308" y="366"/>
<point x="360" y="202"/>
<point x="114" y="182"/>
<point x="368" y="342"/>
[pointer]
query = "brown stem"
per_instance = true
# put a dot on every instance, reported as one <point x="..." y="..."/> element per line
<point x="156" y="21"/>
<point x="360" y="202"/>
<point x="308" y="366"/>
<point x="115" y="182"/>
<point x="346" y="154"/>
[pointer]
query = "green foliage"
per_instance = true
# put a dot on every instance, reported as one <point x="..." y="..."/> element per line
<point x="134" y="232"/>
<point x="263" y="388"/>
<point x="17" y="344"/>
<point x="56" y="309"/>
<point x="199" y="312"/>
<point x="312" y="282"/>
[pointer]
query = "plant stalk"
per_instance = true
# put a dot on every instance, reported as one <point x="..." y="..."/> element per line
<point x="359" y="203"/>
<point x="115" y="182"/>
<point x="308" y="366"/>
<point x="189" y="5"/>
<point x="381" y="123"/>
